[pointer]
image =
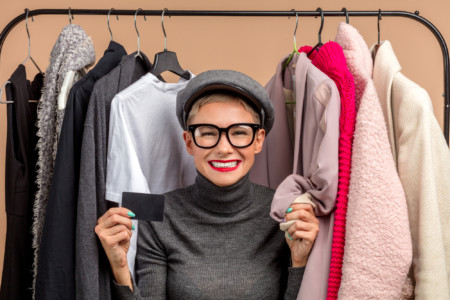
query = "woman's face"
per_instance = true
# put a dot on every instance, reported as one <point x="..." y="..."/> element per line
<point x="238" y="161"/>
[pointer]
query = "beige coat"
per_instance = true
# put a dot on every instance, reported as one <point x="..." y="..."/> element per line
<point x="423" y="163"/>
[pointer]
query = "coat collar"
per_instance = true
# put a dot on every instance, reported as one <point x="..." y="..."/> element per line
<point x="386" y="66"/>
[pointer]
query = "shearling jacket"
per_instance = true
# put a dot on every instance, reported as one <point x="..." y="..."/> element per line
<point x="378" y="251"/>
<point x="422" y="158"/>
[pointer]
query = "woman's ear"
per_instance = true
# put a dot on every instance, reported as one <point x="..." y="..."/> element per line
<point x="189" y="142"/>
<point x="259" y="140"/>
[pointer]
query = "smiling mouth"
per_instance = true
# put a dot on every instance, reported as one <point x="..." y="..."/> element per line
<point x="224" y="166"/>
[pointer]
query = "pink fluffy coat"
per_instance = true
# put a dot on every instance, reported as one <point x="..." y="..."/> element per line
<point x="378" y="248"/>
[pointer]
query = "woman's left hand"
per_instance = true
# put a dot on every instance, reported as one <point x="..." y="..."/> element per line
<point x="302" y="233"/>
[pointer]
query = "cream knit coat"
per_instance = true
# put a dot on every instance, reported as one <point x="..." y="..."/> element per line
<point x="423" y="162"/>
<point x="378" y="250"/>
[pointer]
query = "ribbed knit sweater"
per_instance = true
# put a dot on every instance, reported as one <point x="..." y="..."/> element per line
<point x="214" y="243"/>
<point x="330" y="59"/>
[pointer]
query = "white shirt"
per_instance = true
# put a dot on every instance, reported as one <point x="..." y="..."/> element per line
<point x="146" y="151"/>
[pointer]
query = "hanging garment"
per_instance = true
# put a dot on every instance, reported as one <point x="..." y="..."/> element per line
<point x="423" y="163"/>
<point x="92" y="266"/>
<point x="146" y="153"/>
<point x="73" y="50"/>
<point x="314" y="170"/>
<point x="378" y="248"/>
<point x="20" y="186"/>
<point x="56" y="268"/>
<point x="330" y="59"/>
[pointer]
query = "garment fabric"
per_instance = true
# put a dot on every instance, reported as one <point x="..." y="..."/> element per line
<point x="378" y="251"/>
<point x="92" y="266"/>
<point x="73" y="50"/>
<point x="56" y="267"/>
<point x="146" y="153"/>
<point x="20" y="186"/>
<point x="214" y="243"/>
<point x="312" y="174"/>
<point x="422" y="158"/>
<point x="330" y="59"/>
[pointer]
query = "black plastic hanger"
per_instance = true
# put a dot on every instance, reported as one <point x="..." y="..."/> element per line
<point x="346" y="15"/>
<point x="319" y="44"/>
<point x="168" y="60"/>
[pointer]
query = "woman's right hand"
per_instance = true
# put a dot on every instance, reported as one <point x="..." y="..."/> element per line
<point x="114" y="230"/>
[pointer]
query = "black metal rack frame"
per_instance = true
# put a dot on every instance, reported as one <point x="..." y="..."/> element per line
<point x="223" y="13"/>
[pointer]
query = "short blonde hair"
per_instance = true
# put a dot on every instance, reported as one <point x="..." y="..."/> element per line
<point x="220" y="97"/>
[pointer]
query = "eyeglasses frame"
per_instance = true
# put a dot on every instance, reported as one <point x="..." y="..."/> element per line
<point x="192" y="127"/>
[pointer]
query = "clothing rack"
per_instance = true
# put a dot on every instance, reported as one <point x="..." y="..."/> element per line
<point x="225" y="13"/>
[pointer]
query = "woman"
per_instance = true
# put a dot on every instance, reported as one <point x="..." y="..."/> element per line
<point x="217" y="240"/>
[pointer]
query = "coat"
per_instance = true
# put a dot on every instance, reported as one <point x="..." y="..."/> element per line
<point x="313" y="168"/>
<point x="72" y="51"/>
<point x="92" y="266"/>
<point x="422" y="158"/>
<point x="378" y="250"/>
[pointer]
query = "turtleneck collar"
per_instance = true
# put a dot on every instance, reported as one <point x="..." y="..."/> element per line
<point x="218" y="199"/>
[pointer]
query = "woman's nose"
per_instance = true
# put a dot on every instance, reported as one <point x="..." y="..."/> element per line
<point x="224" y="145"/>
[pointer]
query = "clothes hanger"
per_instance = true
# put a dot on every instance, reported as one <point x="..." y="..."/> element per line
<point x="319" y="44"/>
<point x="70" y="16"/>
<point x="138" y="54"/>
<point x="25" y="60"/>
<point x="375" y="49"/>
<point x="107" y="21"/>
<point x="29" y="43"/>
<point x="346" y="15"/>
<point x="167" y="60"/>
<point x="295" y="42"/>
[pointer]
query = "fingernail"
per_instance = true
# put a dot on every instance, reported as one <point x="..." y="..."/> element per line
<point x="289" y="235"/>
<point x="289" y="210"/>
<point x="132" y="226"/>
<point x="131" y="214"/>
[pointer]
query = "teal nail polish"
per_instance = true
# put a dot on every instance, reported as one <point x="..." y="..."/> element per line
<point x="289" y="235"/>
<point x="131" y="214"/>
<point x="132" y="226"/>
<point x="289" y="210"/>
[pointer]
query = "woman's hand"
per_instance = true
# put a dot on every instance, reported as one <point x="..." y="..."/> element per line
<point x="302" y="233"/>
<point x="114" y="231"/>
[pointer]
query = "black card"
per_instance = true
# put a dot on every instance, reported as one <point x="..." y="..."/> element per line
<point x="149" y="207"/>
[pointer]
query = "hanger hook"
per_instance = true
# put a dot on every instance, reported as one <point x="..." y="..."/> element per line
<point x="164" y="30"/>
<point x="346" y="14"/>
<point x="28" y="32"/>
<point x="70" y="16"/>
<point x="137" y="31"/>
<point x="109" y="28"/>
<point x="296" y="25"/>
<point x="378" y="25"/>
<point x="321" y="24"/>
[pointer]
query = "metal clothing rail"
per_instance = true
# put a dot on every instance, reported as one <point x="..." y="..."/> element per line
<point x="223" y="13"/>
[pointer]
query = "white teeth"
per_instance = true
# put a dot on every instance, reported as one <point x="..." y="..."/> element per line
<point x="231" y="164"/>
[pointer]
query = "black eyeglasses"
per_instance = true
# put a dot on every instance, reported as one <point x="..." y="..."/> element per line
<point x="239" y="135"/>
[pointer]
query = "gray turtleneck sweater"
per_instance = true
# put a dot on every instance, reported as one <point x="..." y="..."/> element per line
<point x="214" y="243"/>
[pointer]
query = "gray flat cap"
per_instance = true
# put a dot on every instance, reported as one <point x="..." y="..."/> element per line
<point x="226" y="80"/>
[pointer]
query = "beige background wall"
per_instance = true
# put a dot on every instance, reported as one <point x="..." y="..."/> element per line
<point x="252" y="45"/>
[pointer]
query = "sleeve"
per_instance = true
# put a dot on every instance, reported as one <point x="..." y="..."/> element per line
<point x="89" y="266"/>
<point x="151" y="268"/>
<point x="294" y="282"/>
<point x="123" y="173"/>
<point x="318" y="184"/>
